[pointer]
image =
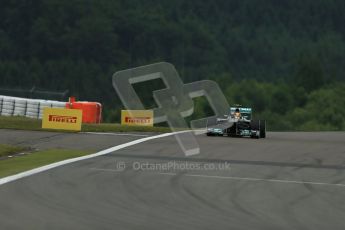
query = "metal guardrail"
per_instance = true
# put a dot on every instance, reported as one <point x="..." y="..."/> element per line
<point x="35" y="93"/>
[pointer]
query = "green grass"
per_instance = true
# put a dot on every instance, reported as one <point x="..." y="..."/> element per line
<point x="20" y="123"/>
<point x="23" y="123"/>
<point x="6" y="150"/>
<point x="19" y="164"/>
<point x="121" y="128"/>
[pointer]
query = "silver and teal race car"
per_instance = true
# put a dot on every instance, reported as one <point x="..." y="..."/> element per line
<point x="238" y="123"/>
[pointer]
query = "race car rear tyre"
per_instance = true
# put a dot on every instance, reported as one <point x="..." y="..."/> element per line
<point x="262" y="129"/>
<point x="255" y="125"/>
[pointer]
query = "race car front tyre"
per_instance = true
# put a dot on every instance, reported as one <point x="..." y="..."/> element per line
<point x="257" y="126"/>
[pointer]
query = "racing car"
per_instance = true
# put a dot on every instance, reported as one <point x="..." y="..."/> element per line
<point x="238" y="123"/>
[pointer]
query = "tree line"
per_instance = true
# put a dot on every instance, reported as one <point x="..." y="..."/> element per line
<point x="284" y="58"/>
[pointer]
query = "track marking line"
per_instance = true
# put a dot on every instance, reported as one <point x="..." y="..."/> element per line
<point x="118" y="134"/>
<point x="108" y="170"/>
<point x="68" y="161"/>
<point x="232" y="178"/>
<point x="265" y="180"/>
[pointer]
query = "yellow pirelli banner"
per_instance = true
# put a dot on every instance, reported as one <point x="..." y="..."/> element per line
<point x="58" y="118"/>
<point x="137" y="117"/>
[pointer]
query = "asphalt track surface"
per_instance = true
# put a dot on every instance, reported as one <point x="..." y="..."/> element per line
<point x="54" y="140"/>
<point x="287" y="181"/>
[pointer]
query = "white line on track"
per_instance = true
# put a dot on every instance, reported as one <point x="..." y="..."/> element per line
<point x="265" y="180"/>
<point x="118" y="134"/>
<point x="108" y="170"/>
<point x="233" y="178"/>
<point x="65" y="162"/>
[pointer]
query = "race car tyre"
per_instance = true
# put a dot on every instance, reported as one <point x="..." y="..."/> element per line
<point x="262" y="129"/>
<point x="232" y="131"/>
<point x="255" y="125"/>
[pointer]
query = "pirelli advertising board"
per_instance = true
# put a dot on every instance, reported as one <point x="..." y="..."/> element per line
<point x="137" y="117"/>
<point x="65" y="119"/>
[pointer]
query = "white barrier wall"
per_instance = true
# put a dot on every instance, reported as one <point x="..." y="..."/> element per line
<point x="7" y="106"/>
<point x="33" y="108"/>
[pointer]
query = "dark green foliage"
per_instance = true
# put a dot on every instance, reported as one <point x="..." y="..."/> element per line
<point x="309" y="73"/>
<point x="274" y="56"/>
<point x="324" y="109"/>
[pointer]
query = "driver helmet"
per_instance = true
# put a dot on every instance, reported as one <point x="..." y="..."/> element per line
<point x="237" y="113"/>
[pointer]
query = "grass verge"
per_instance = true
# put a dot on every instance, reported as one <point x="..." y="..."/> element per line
<point x="6" y="150"/>
<point x="122" y="128"/>
<point x="19" y="164"/>
<point x="20" y="123"/>
<point x="23" y="123"/>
